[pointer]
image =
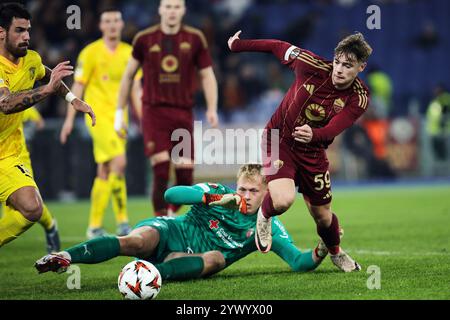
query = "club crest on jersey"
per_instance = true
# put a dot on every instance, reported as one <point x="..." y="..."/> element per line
<point x="169" y="63"/>
<point x="315" y="112"/>
<point x="214" y="224"/>
<point x="338" y="105"/>
<point x="309" y="87"/>
<point x="249" y="233"/>
<point x="278" y="164"/>
<point x="32" y="73"/>
<point x="185" y="46"/>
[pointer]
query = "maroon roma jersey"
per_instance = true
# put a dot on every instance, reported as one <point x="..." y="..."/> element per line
<point x="312" y="99"/>
<point x="170" y="64"/>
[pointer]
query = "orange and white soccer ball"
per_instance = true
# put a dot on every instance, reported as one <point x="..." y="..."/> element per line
<point x="139" y="280"/>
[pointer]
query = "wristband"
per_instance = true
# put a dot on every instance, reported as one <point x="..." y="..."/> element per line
<point x="70" y="97"/>
<point x="118" y="119"/>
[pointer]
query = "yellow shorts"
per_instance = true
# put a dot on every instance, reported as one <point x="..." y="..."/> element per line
<point x="14" y="174"/>
<point x="107" y="144"/>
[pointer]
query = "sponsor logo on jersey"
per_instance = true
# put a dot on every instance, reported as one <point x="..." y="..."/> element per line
<point x="213" y="224"/>
<point x="185" y="46"/>
<point x="155" y="48"/>
<point x="169" y="63"/>
<point x="315" y="112"/>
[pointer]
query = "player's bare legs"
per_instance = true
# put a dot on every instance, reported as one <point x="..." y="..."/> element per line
<point x="28" y="205"/>
<point x="28" y="202"/>
<point x="141" y="242"/>
<point x="161" y="165"/>
<point x="280" y="197"/>
<point x="329" y="231"/>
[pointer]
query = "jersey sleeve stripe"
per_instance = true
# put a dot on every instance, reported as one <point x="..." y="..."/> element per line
<point x="288" y="52"/>
<point x="312" y="64"/>
<point x="145" y="31"/>
<point x="199" y="33"/>
<point x="315" y="60"/>
<point x="362" y="94"/>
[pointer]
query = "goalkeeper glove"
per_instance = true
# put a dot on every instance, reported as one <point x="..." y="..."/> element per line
<point x="231" y="201"/>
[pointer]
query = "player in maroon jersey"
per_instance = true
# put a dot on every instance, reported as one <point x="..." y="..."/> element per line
<point x="326" y="98"/>
<point x="170" y="55"/>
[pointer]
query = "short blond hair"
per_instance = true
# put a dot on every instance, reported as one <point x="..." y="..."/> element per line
<point x="250" y="171"/>
<point x="354" y="46"/>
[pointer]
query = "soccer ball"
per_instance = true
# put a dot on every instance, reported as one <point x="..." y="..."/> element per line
<point x="139" y="280"/>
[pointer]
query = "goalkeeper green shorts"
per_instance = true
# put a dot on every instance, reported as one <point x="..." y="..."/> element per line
<point x="170" y="237"/>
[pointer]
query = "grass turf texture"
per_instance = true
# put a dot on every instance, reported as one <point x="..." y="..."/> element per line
<point x="403" y="231"/>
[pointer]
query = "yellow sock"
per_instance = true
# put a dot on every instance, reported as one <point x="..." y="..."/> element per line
<point x="12" y="225"/>
<point x="119" y="197"/>
<point x="46" y="220"/>
<point x="101" y="190"/>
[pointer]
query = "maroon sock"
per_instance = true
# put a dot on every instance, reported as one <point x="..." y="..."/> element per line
<point x="160" y="179"/>
<point x="173" y="207"/>
<point x="330" y="235"/>
<point x="184" y="176"/>
<point x="268" y="209"/>
<point x="161" y="213"/>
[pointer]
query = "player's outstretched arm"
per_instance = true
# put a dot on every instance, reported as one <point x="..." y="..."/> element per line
<point x="66" y="130"/>
<point x="183" y="195"/>
<point x="19" y="101"/>
<point x="297" y="260"/>
<point x="281" y="49"/>
<point x="124" y="93"/>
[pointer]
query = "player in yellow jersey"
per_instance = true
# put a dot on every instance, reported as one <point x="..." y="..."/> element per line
<point x="46" y="221"/>
<point x="19" y="69"/>
<point x="100" y="67"/>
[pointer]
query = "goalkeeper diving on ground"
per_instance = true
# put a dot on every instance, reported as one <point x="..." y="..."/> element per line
<point x="217" y="231"/>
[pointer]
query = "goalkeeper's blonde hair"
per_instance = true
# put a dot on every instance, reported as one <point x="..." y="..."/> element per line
<point x="250" y="171"/>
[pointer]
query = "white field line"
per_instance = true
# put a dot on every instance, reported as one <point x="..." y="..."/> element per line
<point x="353" y="251"/>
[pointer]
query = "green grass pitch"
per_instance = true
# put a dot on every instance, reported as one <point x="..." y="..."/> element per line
<point x="405" y="231"/>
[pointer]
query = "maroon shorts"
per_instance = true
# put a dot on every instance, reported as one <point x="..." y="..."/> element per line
<point x="158" y="126"/>
<point x="308" y="170"/>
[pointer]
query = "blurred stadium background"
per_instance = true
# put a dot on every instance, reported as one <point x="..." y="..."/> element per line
<point x="397" y="139"/>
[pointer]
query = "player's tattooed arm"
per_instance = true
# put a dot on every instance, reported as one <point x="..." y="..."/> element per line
<point x="19" y="101"/>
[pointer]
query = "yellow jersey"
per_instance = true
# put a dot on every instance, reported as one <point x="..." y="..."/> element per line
<point x="100" y="70"/>
<point x="17" y="78"/>
<point x="31" y="114"/>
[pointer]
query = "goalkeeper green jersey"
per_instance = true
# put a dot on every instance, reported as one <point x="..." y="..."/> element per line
<point x="205" y="228"/>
